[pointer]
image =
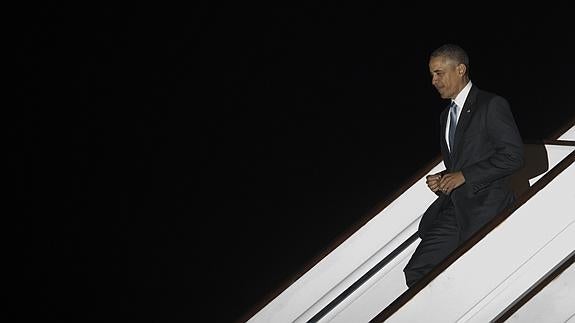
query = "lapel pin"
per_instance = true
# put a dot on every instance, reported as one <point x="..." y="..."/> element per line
<point x="468" y="110"/>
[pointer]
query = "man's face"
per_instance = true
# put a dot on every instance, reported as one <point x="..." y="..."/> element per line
<point x="446" y="76"/>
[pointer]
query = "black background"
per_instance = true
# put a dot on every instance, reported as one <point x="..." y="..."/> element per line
<point x="173" y="167"/>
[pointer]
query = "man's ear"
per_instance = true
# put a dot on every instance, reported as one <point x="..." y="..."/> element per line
<point x="461" y="68"/>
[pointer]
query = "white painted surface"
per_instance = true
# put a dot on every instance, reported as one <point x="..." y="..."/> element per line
<point x="376" y="294"/>
<point x="554" y="303"/>
<point x="568" y="135"/>
<point x="352" y="259"/>
<point x="523" y="278"/>
<point x="399" y="239"/>
<point x="536" y="237"/>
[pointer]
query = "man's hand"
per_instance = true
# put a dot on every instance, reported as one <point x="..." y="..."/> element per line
<point x="451" y="181"/>
<point x="433" y="182"/>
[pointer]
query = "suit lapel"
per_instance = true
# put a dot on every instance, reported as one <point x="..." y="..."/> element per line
<point x="463" y="121"/>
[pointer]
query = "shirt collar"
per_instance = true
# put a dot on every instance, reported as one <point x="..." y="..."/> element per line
<point x="460" y="98"/>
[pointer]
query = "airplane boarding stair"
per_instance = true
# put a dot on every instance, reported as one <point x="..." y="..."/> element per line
<point x="499" y="274"/>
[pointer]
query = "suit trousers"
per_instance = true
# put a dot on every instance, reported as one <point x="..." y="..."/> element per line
<point x="439" y="241"/>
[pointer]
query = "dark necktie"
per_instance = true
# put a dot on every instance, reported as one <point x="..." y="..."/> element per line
<point x="452" y="123"/>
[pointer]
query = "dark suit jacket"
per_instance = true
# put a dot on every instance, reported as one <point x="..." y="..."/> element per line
<point x="487" y="149"/>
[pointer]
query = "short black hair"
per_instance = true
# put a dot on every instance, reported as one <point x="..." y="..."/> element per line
<point x="453" y="52"/>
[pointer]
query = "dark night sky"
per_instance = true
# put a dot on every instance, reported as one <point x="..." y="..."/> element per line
<point x="236" y="143"/>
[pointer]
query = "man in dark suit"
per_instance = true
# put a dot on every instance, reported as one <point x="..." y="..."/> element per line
<point x="481" y="148"/>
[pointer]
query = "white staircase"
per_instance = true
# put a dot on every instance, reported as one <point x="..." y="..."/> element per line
<point x="344" y="287"/>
